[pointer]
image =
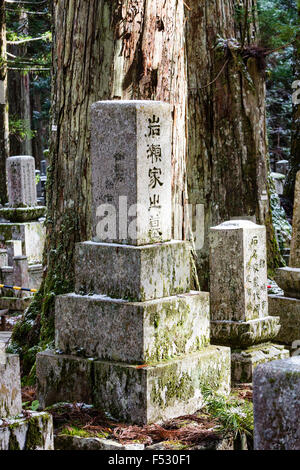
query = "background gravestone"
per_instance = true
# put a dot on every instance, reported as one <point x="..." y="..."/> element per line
<point x="238" y="297"/>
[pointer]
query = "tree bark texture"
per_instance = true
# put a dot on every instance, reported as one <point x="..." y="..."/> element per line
<point x="4" y="138"/>
<point x="227" y="141"/>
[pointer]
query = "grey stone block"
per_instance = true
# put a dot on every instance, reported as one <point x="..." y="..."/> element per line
<point x="63" y="378"/>
<point x="35" y="432"/>
<point x="21" y="185"/>
<point x="65" y="442"/>
<point x="131" y="272"/>
<point x="288" y="309"/>
<point x="10" y="386"/>
<point x="135" y="393"/>
<point x="131" y="171"/>
<point x="243" y="363"/>
<point x="140" y="332"/>
<point x="244" y="334"/>
<point x="288" y="280"/>
<point x="276" y="400"/>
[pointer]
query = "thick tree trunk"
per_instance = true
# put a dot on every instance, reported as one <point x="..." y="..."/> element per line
<point x="4" y="139"/>
<point x="295" y="138"/>
<point x="227" y="150"/>
<point x="103" y="49"/>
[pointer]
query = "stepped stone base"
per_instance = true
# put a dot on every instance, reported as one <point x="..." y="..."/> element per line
<point x="140" y="332"/>
<point x="10" y="386"/>
<point x="32" y="235"/>
<point x="288" y="309"/>
<point x="134" y="393"/>
<point x="288" y="280"/>
<point x="136" y="273"/>
<point x="35" y="432"/>
<point x="244" y="334"/>
<point x="244" y="362"/>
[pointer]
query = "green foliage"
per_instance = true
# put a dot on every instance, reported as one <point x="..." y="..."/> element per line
<point x="235" y="415"/>
<point x="20" y="128"/>
<point x="34" y="406"/>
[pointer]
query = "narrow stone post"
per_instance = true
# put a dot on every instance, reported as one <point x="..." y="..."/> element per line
<point x="238" y="293"/>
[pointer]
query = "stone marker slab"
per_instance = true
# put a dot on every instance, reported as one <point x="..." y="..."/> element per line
<point x="131" y="171"/>
<point x="131" y="272"/>
<point x="133" y="393"/>
<point x="10" y="386"/>
<point x="276" y="400"/>
<point x="238" y="271"/>
<point x="140" y="332"/>
<point x="34" y="432"/>
<point x="288" y="280"/>
<point x="21" y="185"/>
<point x="295" y="242"/>
<point x="243" y="363"/>
<point x="288" y="309"/>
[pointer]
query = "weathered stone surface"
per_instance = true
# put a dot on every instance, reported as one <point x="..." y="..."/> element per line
<point x="65" y="442"/>
<point x="288" y="280"/>
<point x="131" y="272"/>
<point x="288" y="309"/>
<point x="243" y="363"/>
<point x="21" y="276"/>
<point x="238" y="271"/>
<point x="156" y="393"/>
<point x="135" y="393"/>
<point x="10" y="386"/>
<point x="3" y="258"/>
<point x="276" y="399"/>
<point x="97" y="326"/>
<point x="63" y="378"/>
<point x="131" y="171"/>
<point x="295" y="242"/>
<point x="35" y="432"/>
<point x="32" y="235"/>
<point x="22" y="214"/>
<point x="21" y="185"/>
<point x="245" y="334"/>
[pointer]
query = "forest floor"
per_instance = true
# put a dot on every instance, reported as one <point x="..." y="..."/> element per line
<point x="204" y="429"/>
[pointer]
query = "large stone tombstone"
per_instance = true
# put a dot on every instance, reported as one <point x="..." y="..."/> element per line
<point x="21" y="181"/>
<point x="131" y="171"/>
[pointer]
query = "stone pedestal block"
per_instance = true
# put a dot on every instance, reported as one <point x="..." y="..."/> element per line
<point x="244" y="362"/>
<point x="245" y="334"/>
<point x="131" y="272"/>
<point x="131" y="171"/>
<point x="276" y="400"/>
<point x="288" y="280"/>
<point x="35" y="432"/>
<point x="134" y="393"/>
<point x="32" y="235"/>
<point x="288" y="309"/>
<point x="295" y="242"/>
<point x="22" y="214"/>
<point x="238" y="271"/>
<point x="10" y="386"/>
<point x="138" y="332"/>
